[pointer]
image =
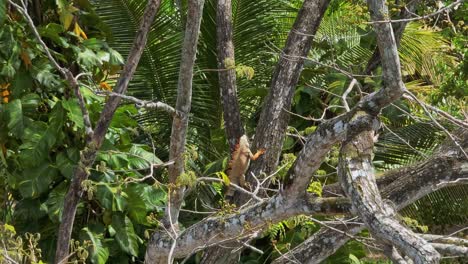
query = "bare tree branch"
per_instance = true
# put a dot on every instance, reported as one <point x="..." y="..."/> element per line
<point x="358" y="181"/>
<point x="88" y="154"/>
<point x="392" y="253"/>
<point x="227" y="74"/>
<point x="398" y="30"/>
<point x="179" y="129"/>
<point x="451" y="250"/>
<point x="273" y="121"/>
<point x="445" y="239"/>
<point x="401" y="187"/>
<point x="142" y="103"/>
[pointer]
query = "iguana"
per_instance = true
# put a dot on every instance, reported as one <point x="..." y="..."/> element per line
<point x="239" y="164"/>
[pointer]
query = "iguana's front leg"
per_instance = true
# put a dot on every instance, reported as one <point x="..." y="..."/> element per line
<point x="257" y="155"/>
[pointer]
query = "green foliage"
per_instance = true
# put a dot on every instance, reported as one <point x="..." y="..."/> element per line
<point x="42" y="129"/>
<point x="315" y="187"/>
<point x="413" y="224"/>
<point x="21" y="249"/>
<point x="42" y="133"/>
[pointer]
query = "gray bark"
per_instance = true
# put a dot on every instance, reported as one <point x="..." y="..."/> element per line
<point x="355" y="170"/>
<point x="358" y="181"/>
<point x="398" y="29"/>
<point x="227" y="77"/>
<point x="393" y="254"/>
<point x="273" y="121"/>
<point x="451" y="250"/>
<point x="232" y="120"/>
<point x="401" y="187"/>
<point x="88" y="155"/>
<point x="179" y="128"/>
<point x="421" y="180"/>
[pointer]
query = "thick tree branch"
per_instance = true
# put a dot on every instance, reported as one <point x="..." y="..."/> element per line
<point x="402" y="187"/>
<point x="320" y="142"/>
<point x="355" y="169"/>
<point x="451" y="250"/>
<point x="227" y="73"/>
<point x="88" y="154"/>
<point x="398" y="29"/>
<point x="358" y="182"/>
<point x="445" y="239"/>
<point x="179" y="129"/>
<point x="419" y="180"/>
<point x="273" y="121"/>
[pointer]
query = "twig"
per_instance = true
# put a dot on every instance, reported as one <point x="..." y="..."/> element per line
<point x="436" y="122"/>
<point x="403" y="140"/>
<point x="449" y="117"/>
<point x="142" y="103"/>
<point x="237" y="187"/>
<point x="345" y="94"/>
<point x="447" y="8"/>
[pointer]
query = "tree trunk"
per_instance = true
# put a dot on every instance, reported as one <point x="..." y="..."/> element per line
<point x="227" y="73"/>
<point x="358" y="181"/>
<point x="179" y="130"/>
<point x="274" y="120"/>
<point x="88" y="155"/>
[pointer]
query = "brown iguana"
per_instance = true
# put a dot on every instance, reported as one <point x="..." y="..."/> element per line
<point x="239" y="164"/>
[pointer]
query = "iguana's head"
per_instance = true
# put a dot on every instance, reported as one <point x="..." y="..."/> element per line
<point x="244" y="141"/>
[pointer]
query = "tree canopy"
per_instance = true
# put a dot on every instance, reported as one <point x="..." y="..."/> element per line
<point x="119" y="120"/>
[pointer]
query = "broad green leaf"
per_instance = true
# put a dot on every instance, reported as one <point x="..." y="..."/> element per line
<point x="154" y="197"/>
<point x="117" y="160"/>
<point x="94" y="44"/>
<point x="136" y="205"/>
<point x="21" y="83"/>
<point x="40" y="137"/>
<point x="105" y="196"/>
<point x="115" y="58"/>
<point x="44" y="74"/>
<point x="52" y="31"/>
<point x="35" y="181"/>
<point x="30" y="103"/>
<point x="8" y="70"/>
<point x="125" y="234"/>
<point x="65" y="165"/>
<point x="14" y="111"/>
<point x="66" y="18"/>
<point x="139" y="158"/>
<point x="122" y="118"/>
<point x="29" y="209"/>
<point x="224" y="177"/>
<point x="111" y="198"/>
<point x="74" y="112"/>
<point x="99" y="253"/>
<point x="36" y="144"/>
<point x="55" y="202"/>
<point x="90" y="96"/>
<point x="88" y="59"/>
